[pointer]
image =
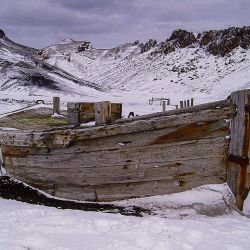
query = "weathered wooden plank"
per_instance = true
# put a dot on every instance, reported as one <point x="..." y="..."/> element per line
<point x="143" y="189"/>
<point x="123" y="167"/>
<point x="103" y="113"/>
<point x="174" y="137"/>
<point x="167" y="135"/>
<point x="238" y="147"/>
<point x="56" y="105"/>
<point x="110" y="192"/>
<point x="87" y="112"/>
<point x="116" y="111"/>
<point x="63" y="138"/>
<point x="126" y="173"/>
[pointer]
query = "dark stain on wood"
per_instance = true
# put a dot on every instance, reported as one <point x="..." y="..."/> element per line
<point x="191" y="132"/>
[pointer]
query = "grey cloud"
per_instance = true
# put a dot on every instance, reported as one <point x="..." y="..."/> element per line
<point x="109" y="22"/>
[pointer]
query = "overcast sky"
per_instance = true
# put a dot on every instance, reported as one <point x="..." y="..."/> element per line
<point x="106" y="23"/>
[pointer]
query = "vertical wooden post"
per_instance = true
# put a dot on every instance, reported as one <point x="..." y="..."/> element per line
<point x="168" y="101"/>
<point x="102" y="112"/>
<point x="181" y="104"/>
<point x="238" y="148"/>
<point x="163" y="106"/>
<point x="188" y="103"/>
<point x="185" y="103"/>
<point x="56" y="105"/>
<point x="73" y="109"/>
<point x="116" y="111"/>
<point x="192" y="102"/>
<point x="176" y="106"/>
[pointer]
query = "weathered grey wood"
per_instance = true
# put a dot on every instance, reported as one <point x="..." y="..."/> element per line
<point x="73" y="109"/>
<point x="188" y="103"/>
<point x="181" y="104"/>
<point x="192" y="102"/>
<point x="116" y="111"/>
<point x="63" y="138"/>
<point x="87" y="112"/>
<point x="103" y="113"/>
<point x="185" y="103"/>
<point x="157" y="154"/>
<point x="164" y="106"/>
<point x="239" y="146"/>
<point x="56" y="105"/>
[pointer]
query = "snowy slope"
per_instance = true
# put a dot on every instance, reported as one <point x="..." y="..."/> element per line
<point x="192" y="71"/>
<point x="24" y="76"/>
<point x="206" y="67"/>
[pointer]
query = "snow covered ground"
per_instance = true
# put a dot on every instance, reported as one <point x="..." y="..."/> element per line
<point x="25" y="226"/>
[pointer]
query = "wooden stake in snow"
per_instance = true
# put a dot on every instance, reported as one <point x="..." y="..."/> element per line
<point x="56" y="105"/>
<point x="103" y="113"/>
<point x="163" y="106"/>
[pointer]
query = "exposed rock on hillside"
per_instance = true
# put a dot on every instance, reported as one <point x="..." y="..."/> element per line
<point x="182" y="38"/>
<point x="216" y="42"/>
<point x="84" y="46"/>
<point x="221" y="42"/>
<point x="148" y="45"/>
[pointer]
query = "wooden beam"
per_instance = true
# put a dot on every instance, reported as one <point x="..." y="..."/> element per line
<point x="163" y="106"/>
<point x="181" y="104"/>
<point x="73" y="109"/>
<point x="116" y="111"/>
<point x="103" y="113"/>
<point x="56" y="105"/>
<point x="238" y="147"/>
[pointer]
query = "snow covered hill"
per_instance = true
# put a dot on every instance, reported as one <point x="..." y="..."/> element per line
<point x="23" y="74"/>
<point x="207" y="66"/>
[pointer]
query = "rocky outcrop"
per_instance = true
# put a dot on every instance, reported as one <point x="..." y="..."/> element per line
<point x="182" y="38"/>
<point x="179" y="39"/>
<point x="216" y="42"/>
<point x="2" y="34"/>
<point x="84" y="46"/>
<point x="221" y="42"/>
<point x="148" y="45"/>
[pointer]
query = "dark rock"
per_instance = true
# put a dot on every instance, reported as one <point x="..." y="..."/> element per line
<point x="148" y="45"/>
<point x="83" y="47"/>
<point x="182" y="38"/>
<point x="136" y="42"/>
<point x="179" y="39"/>
<point x="2" y="34"/>
<point x="222" y="42"/>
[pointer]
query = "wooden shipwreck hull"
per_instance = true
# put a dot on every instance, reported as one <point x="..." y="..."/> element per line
<point x="156" y="154"/>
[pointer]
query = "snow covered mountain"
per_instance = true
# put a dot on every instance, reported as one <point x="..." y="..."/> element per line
<point x="22" y="71"/>
<point x="206" y="66"/>
<point x="210" y="63"/>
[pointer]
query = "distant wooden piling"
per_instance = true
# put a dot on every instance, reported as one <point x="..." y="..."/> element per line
<point x="192" y="102"/>
<point x="164" y="106"/>
<point x="181" y="104"/>
<point x="103" y="113"/>
<point x="56" y="105"/>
